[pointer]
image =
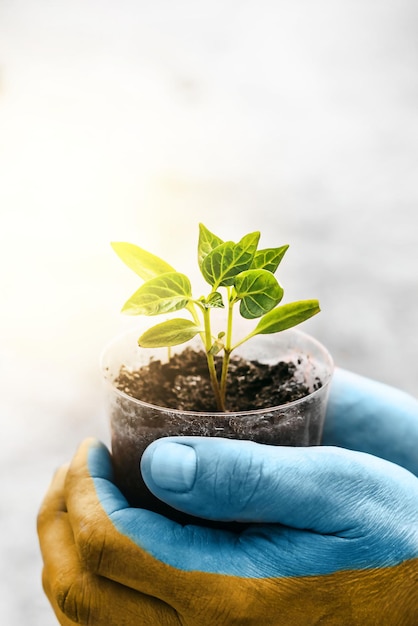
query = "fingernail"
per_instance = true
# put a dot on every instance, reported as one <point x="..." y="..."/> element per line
<point x="173" y="466"/>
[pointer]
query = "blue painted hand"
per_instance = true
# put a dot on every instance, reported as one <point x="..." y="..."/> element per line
<point x="333" y="538"/>
<point x="371" y="417"/>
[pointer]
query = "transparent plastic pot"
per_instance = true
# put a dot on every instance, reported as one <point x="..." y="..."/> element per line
<point x="135" y="424"/>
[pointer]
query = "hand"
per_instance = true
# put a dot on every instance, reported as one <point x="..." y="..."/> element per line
<point x="334" y="539"/>
<point x="372" y="417"/>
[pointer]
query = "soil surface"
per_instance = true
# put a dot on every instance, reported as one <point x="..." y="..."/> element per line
<point x="251" y="385"/>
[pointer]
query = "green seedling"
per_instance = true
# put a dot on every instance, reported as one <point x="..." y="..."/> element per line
<point x="238" y="273"/>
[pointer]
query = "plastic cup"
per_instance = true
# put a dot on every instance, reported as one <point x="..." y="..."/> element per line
<point x="135" y="424"/>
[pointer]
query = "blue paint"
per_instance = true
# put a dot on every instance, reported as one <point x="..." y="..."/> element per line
<point x="381" y="533"/>
<point x="371" y="417"/>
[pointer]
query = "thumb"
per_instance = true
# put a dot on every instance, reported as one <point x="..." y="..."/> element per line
<point x="324" y="489"/>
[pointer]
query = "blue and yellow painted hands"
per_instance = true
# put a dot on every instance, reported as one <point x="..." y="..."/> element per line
<point x="331" y="535"/>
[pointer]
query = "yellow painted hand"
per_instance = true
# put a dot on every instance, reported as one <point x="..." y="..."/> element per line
<point x="333" y="539"/>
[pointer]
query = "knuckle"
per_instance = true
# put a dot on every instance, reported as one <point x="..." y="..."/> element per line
<point x="74" y="597"/>
<point x="41" y="520"/>
<point x="90" y="544"/>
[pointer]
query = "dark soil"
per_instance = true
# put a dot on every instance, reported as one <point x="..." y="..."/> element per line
<point x="251" y="385"/>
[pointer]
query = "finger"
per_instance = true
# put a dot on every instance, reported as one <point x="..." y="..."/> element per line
<point x="77" y="594"/>
<point x="371" y="417"/>
<point x="82" y="597"/>
<point x="328" y="490"/>
<point x="52" y="508"/>
<point x="107" y="531"/>
<point x="53" y="505"/>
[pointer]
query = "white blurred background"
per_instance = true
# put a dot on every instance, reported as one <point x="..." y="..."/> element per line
<point x="134" y="120"/>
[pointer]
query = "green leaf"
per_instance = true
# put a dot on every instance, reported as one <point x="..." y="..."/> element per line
<point x="258" y="291"/>
<point x="214" y="301"/>
<point x="229" y="259"/>
<point x="143" y="263"/>
<point x="269" y="258"/>
<point x="163" y="294"/>
<point x="250" y="242"/>
<point x="207" y="242"/>
<point x="169" y="333"/>
<point x="286" y="316"/>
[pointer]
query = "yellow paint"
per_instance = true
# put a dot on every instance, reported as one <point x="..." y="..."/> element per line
<point x="385" y="597"/>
